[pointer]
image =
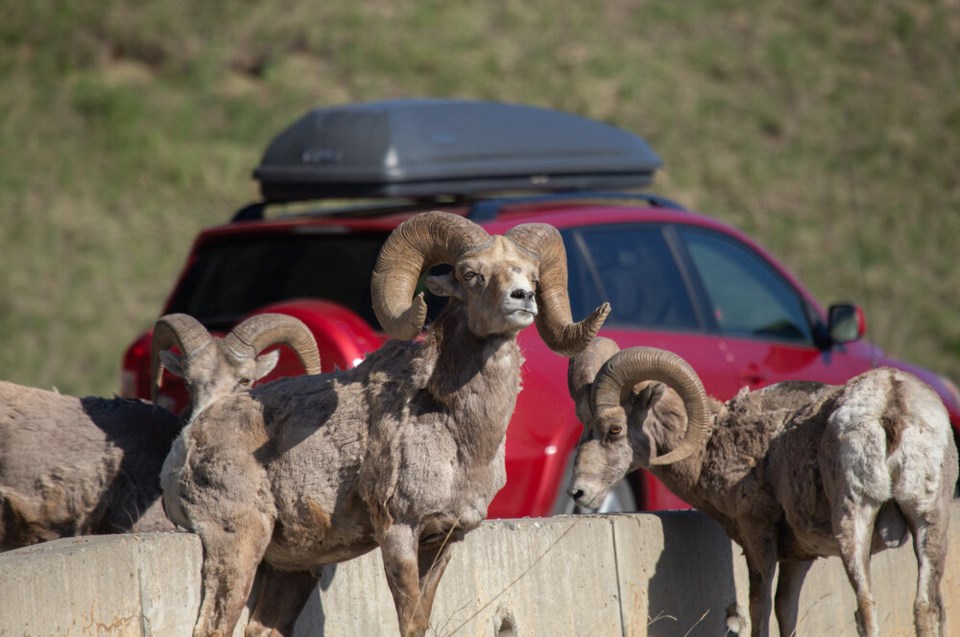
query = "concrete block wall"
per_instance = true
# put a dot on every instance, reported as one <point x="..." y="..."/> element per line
<point x="634" y="575"/>
<point x="129" y="585"/>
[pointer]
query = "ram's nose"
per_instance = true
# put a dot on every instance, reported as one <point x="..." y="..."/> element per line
<point x="522" y="295"/>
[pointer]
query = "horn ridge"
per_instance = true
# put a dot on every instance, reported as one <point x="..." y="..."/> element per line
<point x="180" y="330"/>
<point x="417" y="244"/>
<point x="263" y="330"/>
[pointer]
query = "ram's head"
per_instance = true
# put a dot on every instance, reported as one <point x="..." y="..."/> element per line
<point x="212" y="367"/>
<point x="505" y="282"/>
<point x="623" y="398"/>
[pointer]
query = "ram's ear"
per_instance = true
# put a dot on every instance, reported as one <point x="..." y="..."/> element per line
<point x="173" y="363"/>
<point x="266" y="363"/>
<point x="445" y="285"/>
<point x="646" y="395"/>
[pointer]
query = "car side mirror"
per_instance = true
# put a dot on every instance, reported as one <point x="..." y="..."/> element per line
<point x="845" y="323"/>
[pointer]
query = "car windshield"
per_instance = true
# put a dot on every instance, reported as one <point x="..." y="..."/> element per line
<point x="230" y="279"/>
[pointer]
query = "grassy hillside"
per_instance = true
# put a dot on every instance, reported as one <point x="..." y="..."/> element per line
<point x="827" y="130"/>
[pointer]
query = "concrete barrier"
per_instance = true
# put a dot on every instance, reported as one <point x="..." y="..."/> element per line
<point x="128" y="585"/>
<point x="633" y="575"/>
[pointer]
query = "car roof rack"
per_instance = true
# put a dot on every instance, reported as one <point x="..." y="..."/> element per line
<point x="489" y="209"/>
<point x="256" y="210"/>
<point x="427" y="148"/>
<point x="478" y="210"/>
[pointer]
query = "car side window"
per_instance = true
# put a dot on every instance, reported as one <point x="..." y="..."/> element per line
<point x="634" y="269"/>
<point x="747" y="296"/>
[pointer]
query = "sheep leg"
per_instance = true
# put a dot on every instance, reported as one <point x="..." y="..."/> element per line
<point x="281" y="597"/>
<point x="401" y="564"/>
<point x="761" y="584"/>
<point x="761" y="553"/>
<point x="433" y="561"/>
<point x="853" y="521"/>
<point x="21" y="522"/>
<point x="929" y="545"/>
<point x="230" y="559"/>
<point x="787" y="599"/>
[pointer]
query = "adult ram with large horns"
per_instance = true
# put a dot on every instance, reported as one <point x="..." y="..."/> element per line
<point x="404" y="452"/>
<point x="794" y="471"/>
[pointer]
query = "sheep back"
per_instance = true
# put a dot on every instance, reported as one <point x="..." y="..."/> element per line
<point x="81" y="465"/>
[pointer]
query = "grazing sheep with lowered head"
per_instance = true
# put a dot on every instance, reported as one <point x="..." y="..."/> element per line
<point x="77" y="466"/>
<point x="794" y="471"/>
<point x="404" y="452"/>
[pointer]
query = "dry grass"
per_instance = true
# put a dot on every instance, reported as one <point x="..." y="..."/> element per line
<point x="823" y="129"/>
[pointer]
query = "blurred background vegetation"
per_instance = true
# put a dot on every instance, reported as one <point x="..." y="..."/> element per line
<point x="827" y="130"/>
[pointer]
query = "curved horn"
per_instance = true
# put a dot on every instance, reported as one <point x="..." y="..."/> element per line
<point x="631" y="366"/>
<point x="263" y="330"/>
<point x="555" y="321"/>
<point x="180" y="330"/>
<point x="582" y="370"/>
<point x="416" y="244"/>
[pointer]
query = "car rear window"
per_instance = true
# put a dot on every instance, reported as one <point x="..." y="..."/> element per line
<point x="230" y="279"/>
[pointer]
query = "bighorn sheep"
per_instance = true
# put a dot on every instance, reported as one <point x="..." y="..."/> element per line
<point x="404" y="452"/>
<point x="794" y="471"/>
<point x="214" y="367"/>
<point x="76" y="466"/>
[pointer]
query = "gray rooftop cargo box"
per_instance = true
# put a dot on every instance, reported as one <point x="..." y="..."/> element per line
<point x="434" y="147"/>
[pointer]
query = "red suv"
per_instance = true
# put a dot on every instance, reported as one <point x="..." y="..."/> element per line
<point x="345" y="177"/>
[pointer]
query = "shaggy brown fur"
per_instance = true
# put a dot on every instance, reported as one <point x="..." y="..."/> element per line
<point x="797" y="471"/>
<point x="404" y="452"/>
<point x="377" y="476"/>
<point x="76" y="466"/>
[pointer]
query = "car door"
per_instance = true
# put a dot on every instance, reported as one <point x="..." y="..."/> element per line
<point x="764" y="322"/>
<point x="654" y="298"/>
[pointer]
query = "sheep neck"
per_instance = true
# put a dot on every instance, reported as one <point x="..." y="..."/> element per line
<point x="668" y="428"/>
<point x="476" y="378"/>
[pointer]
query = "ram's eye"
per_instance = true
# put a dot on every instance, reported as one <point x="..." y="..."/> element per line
<point x="615" y="430"/>
<point x="245" y="382"/>
<point x="470" y="275"/>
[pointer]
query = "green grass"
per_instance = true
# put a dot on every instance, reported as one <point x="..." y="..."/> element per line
<point x="826" y="130"/>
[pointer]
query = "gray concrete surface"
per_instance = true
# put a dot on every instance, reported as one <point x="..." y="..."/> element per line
<point x="136" y="585"/>
<point x="638" y="575"/>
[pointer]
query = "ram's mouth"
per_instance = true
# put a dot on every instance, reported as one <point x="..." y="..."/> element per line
<point x="522" y="317"/>
<point x="591" y="504"/>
